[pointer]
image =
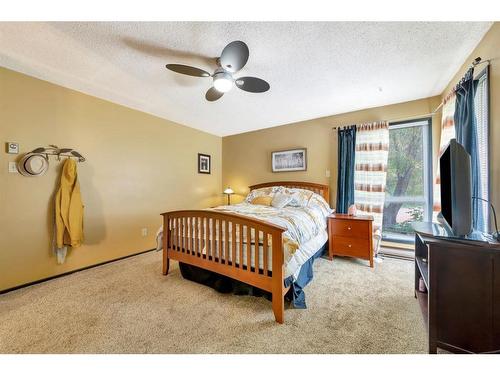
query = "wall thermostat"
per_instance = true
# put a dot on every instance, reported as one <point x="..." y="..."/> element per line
<point x="12" y="147"/>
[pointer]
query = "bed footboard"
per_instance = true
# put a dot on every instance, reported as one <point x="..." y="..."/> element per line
<point x="243" y="248"/>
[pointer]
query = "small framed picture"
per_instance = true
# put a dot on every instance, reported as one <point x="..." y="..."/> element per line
<point x="289" y="160"/>
<point x="203" y="163"/>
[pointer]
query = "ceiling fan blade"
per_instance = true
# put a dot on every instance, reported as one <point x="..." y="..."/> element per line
<point x="188" y="70"/>
<point x="252" y="84"/>
<point x="212" y="94"/>
<point x="234" y="56"/>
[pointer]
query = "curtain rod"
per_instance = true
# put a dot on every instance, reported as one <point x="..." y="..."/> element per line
<point x="477" y="61"/>
<point x="398" y="119"/>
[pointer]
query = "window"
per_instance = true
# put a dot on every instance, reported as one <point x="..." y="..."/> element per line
<point x="408" y="194"/>
<point x="481" y="101"/>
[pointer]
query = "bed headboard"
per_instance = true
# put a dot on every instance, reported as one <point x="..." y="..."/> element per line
<point x="323" y="190"/>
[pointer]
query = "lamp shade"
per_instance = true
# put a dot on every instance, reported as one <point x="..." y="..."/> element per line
<point x="228" y="190"/>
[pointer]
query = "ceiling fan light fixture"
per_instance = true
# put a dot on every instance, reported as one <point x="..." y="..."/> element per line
<point x="233" y="58"/>
<point x="223" y="81"/>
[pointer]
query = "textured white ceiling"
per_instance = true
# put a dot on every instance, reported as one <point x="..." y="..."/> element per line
<point x="315" y="69"/>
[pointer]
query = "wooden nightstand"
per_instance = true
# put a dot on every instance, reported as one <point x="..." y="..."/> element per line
<point x="350" y="236"/>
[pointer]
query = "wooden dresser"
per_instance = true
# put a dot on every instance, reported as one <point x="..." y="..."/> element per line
<point x="350" y="236"/>
<point x="461" y="298"/>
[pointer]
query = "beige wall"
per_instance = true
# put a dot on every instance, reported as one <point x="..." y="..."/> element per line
<point x="137" y="167"/>
<point x="489" y="49"/>
<point x="247" y="157"/>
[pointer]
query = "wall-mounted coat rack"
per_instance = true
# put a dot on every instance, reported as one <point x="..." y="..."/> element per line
<point x="36" y="162"/>
<point x="53" y="150"/>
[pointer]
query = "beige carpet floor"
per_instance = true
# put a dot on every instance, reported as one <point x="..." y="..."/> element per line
<point x="129" y="307"/>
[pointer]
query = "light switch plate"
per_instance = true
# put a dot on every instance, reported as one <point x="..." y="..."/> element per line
<point x="13" y="167"/>
<point x="327" y="173"/>
<point x="12" y="147"/>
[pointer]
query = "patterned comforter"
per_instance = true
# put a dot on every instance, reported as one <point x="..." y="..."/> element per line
<point x="305" y="234"/>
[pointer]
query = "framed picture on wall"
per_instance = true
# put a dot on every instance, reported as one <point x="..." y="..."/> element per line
<point x="204" y="163"/>
<point x="289" y="160"/>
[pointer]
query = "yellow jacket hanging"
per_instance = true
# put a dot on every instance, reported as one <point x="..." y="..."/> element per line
<point x="69" y="208"/>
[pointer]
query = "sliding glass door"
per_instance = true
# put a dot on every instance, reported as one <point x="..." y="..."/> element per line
<point x="408" y="195"/>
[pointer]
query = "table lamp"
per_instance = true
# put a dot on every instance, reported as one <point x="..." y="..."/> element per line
<point x="228" y="192"/>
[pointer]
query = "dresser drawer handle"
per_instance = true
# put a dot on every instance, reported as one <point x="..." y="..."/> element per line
<point x="349" y="245"/>
<point x="349" y="228"/>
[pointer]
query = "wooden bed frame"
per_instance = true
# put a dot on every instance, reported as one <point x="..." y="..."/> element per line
<point x="188" y="249"/>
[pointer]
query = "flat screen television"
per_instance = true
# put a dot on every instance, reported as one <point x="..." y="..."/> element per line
<point x="456" y="190"/>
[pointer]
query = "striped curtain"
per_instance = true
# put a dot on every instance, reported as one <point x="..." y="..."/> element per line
<point x="447" y="134"/>
<point x="372" y="150"/>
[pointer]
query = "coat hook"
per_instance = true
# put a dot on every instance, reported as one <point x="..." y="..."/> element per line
<point x="53" y="150"/>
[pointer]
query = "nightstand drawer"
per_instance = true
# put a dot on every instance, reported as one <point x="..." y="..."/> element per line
<point x="355" y="247"/>
<point x="350" y="228"/>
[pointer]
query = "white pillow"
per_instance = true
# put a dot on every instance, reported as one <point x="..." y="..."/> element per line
<point x="262" y="192"/>
<point x="300" y="197"/>
<point x="281" y="200"/>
